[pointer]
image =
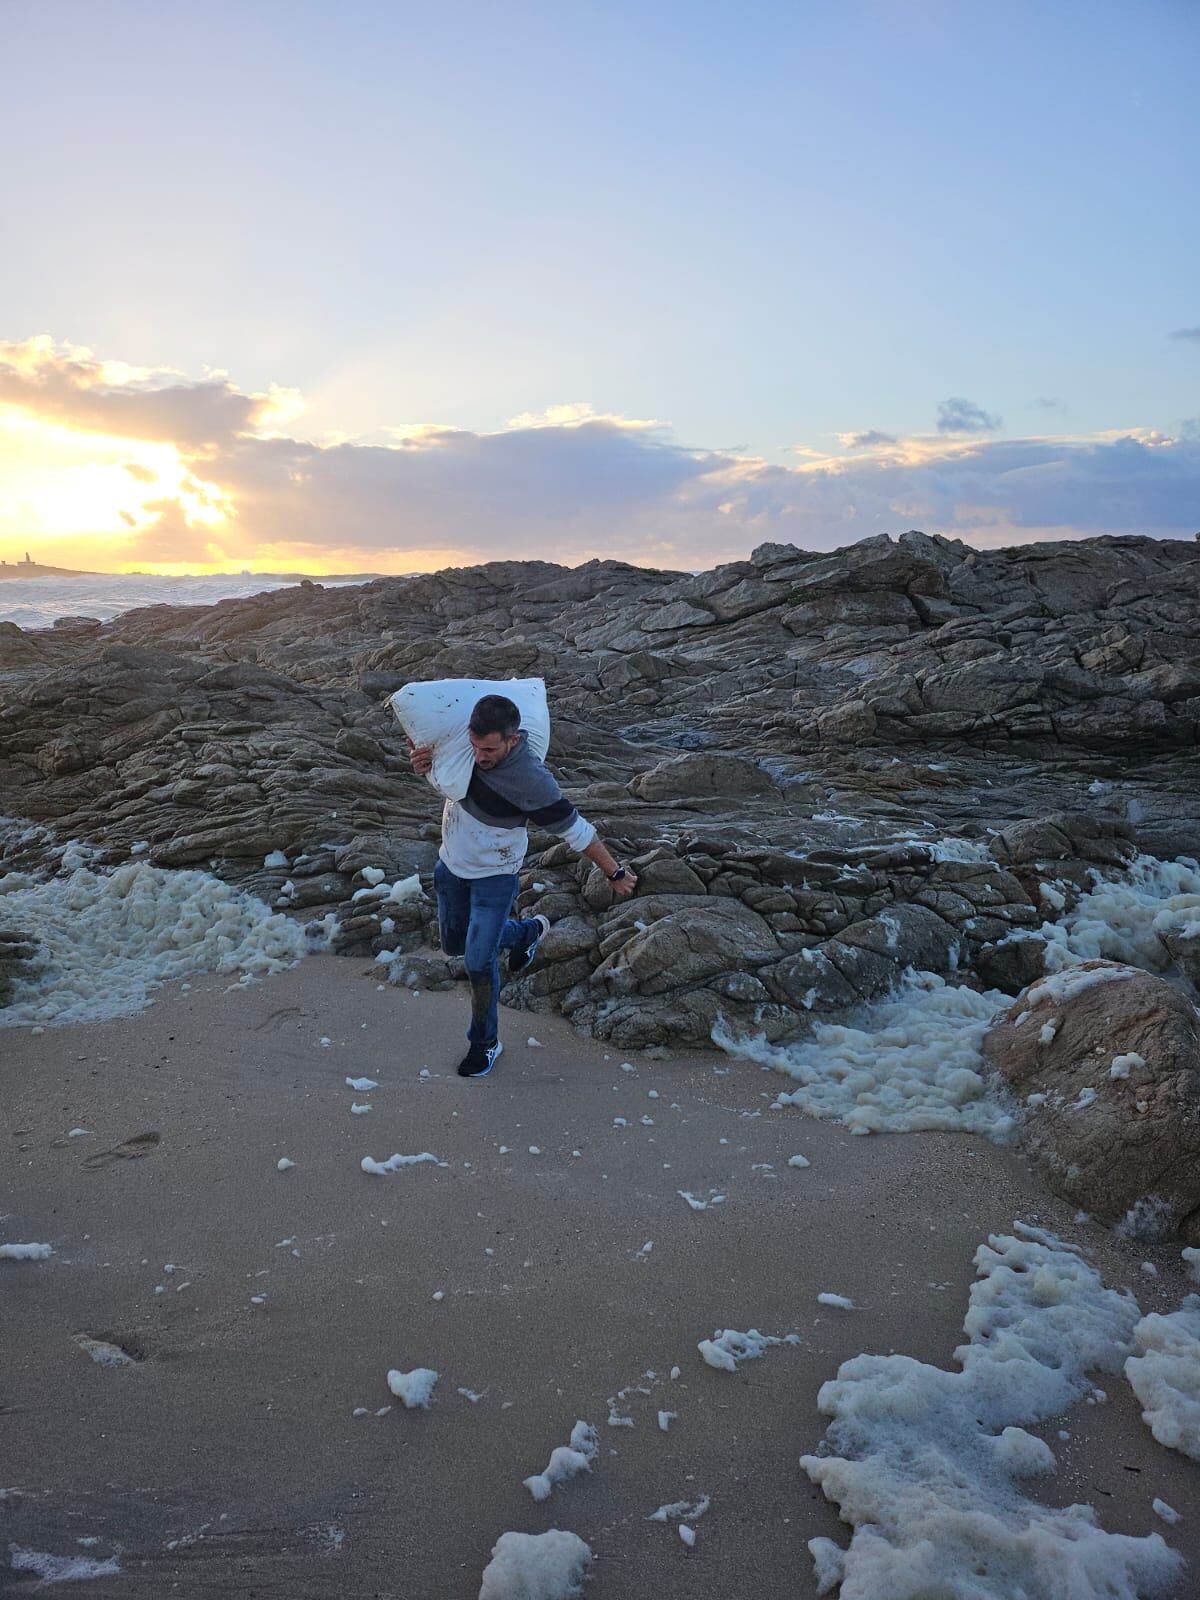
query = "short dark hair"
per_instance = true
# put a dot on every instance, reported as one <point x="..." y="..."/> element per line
<point x="495" y="713"/>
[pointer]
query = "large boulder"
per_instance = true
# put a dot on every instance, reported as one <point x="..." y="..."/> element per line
<point x="17" y="649"/>
<point x="1065" y="836"/>
<point x="686" y="945"/>
<point x="395" y="857"/>
<point x="701" y="773"/>
<point x="865" y="960"/>
<point x="1107" y="1060"/>
<point x="1012" y="963"/>
<point x="681" y="1020"/>
<point x="667" y="874"/>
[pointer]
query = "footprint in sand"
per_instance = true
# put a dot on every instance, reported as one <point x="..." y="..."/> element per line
<point x="140" y="1145"/>
<point x="111" y="1352"/>
<point x="277" y="1019"/>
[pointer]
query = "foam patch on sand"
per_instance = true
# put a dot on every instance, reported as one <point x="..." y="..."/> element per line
<point x="536" y="1566"/>
<point x="109" y="940"/>
<point x="728" y="1347"/>
<point x="905" y="1064"/>
<point x="566" y="1460"/>
<point x="394" y="1163"/>
<point x="103" y="1353"/>
<point x="927" y="1464"/>
<point x="692" y="1509"/>
<point x="1165" y="1375"/>
<point x="60" y="1569"/>
<point x="415" y="1388"/>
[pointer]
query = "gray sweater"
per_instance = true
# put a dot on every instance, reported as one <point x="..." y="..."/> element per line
<point x="485" y="832"/>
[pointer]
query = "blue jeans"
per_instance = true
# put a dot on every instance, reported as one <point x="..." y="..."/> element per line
<point x="474" y="923"/>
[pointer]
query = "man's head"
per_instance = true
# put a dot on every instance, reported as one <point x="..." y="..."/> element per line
<point x="494" y="728"/>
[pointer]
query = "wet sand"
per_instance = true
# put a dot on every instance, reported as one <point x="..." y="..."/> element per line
<point x="226" y="1459"/>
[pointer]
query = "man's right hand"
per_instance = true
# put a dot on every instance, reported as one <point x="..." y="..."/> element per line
<point x="420" y="755"/>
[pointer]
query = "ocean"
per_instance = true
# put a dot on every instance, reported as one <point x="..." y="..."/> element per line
<point x="38" y="602"/>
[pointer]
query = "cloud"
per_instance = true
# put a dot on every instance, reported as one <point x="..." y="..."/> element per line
<point x="864" y="441"/>
<point x="1046" y="402"/>
<point x="577" y="412"/>
<point x="171" y="538"/>
<point x="1191" y="335"/>
<point x="964" y="416"/>
<point x="67" y="384"/>
<point x="570" y="484"/>
<point x="601" y="490"/>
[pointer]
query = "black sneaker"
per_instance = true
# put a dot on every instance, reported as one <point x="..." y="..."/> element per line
<point x="479" y="1060"/>
<point x="518" y="960"/>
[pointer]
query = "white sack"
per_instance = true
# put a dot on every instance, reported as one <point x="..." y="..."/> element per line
<point x="437" y="714"/>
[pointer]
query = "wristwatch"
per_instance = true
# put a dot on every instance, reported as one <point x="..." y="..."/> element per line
<point x="615" y="877"/>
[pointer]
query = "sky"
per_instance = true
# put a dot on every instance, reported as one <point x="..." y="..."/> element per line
<point x="388" y="287"/>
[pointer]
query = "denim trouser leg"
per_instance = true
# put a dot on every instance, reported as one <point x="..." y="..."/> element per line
<point x="474" y="923"/>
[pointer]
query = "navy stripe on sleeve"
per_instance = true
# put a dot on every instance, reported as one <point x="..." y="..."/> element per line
<point x="558" y="814"/>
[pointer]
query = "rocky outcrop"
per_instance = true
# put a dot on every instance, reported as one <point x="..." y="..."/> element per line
<point x="1089" y="646"/>
<point x="778" y="744"/>
<point x="1106" y="1059"/>
<point x="761" y="937"/>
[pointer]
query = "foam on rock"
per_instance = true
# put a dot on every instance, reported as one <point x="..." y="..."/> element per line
<point x="913" y="1062"/>
<point x="1138" y="918"/>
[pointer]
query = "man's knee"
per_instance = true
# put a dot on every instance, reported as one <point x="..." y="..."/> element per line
<point x="477" y="960"/>
<point x="454" y="941"/>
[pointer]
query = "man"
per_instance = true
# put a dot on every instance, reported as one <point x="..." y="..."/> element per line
<point x="484" y="839"/>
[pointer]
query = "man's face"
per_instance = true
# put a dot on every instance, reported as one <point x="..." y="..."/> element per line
<point x="491" y="748"/>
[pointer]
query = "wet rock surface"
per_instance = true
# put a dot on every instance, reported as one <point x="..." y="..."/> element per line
<point x="781" y="747"/>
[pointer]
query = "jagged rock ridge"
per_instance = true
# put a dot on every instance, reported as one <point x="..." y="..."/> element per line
<point x="775" y="743"/>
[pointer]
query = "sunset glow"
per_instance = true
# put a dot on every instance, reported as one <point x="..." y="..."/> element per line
<point x="788" y="295"/>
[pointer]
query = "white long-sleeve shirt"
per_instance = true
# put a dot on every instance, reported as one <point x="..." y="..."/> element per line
<point x="473" y="849"/>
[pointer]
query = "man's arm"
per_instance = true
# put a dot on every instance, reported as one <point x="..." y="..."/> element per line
<point x="608" y="863"/>
<point x="560" y="816"/>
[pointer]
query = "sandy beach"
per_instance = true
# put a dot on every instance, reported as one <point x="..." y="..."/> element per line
<point x="263" y="1308"/>
<point x="634" y="519"/>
